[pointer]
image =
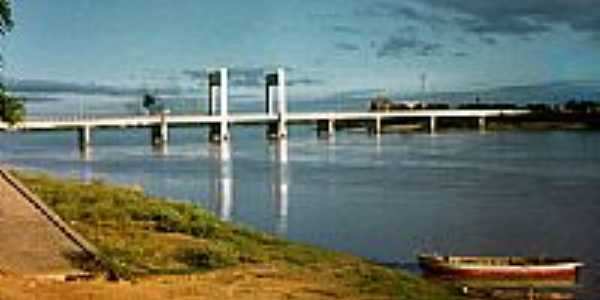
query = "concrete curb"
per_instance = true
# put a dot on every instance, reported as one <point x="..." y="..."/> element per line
<point x="40" y="206"/>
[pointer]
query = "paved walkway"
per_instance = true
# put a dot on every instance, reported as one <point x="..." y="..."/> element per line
<point x="33" y="241"/>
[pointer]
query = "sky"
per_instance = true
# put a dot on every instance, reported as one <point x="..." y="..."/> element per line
<point x="122" y="47"/>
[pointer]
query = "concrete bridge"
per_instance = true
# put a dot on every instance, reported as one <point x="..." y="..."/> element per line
<point x="275" y="118"/>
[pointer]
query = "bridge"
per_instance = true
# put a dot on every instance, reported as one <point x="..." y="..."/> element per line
<point x="219" y="121"/>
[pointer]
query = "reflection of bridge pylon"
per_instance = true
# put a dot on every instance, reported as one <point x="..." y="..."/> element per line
<point x="280" y="186"/>
<point x="221" y="181"/>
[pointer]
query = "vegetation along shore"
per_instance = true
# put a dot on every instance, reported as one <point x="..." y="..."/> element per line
<point x="571" y="115"/>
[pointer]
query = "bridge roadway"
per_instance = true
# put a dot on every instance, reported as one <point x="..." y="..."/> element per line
<point x="57" y="123"/>
<point x="219" y="123"/>
<point x="219" y="118"/>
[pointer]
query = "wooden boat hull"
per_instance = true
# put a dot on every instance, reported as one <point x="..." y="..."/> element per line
<point x="444" y="267"/>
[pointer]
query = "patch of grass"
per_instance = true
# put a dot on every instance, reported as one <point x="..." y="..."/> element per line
<point x="146" y="234"/>
<point x="141" y="235"/>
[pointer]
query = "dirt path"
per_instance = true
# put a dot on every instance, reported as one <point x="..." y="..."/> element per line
<point x="32" y="244"/>
<point x="239" y="283"/>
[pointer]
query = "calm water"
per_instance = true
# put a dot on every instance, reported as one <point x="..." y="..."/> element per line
<point x="385" y="198"/>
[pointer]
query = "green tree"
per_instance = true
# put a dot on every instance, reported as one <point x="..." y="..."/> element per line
<point x="6" y="22"/>
<point x="12" y="109"/>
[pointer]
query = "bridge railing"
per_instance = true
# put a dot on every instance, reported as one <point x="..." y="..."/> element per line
<point x="92" y="117"/>
<point x="291" y="115"/>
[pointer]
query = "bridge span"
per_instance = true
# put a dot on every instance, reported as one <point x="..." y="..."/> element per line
<point x="219" y="120"/>
<point x="324" y="120"/>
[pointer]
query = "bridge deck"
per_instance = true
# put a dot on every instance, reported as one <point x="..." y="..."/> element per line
<point x="246" y="118"/>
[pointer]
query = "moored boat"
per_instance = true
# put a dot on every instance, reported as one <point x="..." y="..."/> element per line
<point x="510" y="268"/>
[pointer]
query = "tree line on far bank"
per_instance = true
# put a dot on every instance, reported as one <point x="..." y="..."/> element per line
<point x="573" y="106"/>
<point x="12" y="109"/>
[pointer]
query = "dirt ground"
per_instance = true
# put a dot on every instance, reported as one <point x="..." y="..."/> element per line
<point x="30" y="242"/>
<point x="246" y="282"/>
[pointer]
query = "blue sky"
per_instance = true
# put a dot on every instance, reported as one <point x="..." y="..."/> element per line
<point x="329" y="46"/>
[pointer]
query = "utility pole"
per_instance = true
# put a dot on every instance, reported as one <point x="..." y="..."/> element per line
<point x="423" y="83"/>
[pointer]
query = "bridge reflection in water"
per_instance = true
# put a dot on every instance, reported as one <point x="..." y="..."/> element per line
<point x="222" y="187"/>
<point x="221" y="180"/>
<point x="280" y="185"/>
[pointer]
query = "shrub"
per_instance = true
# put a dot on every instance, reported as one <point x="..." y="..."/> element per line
<point x="12" y="109"/>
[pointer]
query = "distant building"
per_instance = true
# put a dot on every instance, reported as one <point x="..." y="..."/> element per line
<point x="382" y="103"/>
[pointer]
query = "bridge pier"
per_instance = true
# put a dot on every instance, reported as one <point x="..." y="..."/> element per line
<point x="272" y="130"/>
<point x="482" y="123"/>
<point x="218" y="133"/>
<point x="160" y="133"/>
<point x="277" y="131"/>
<point x="432" y="124"/>
<point x="278" y="80"/>
<point x="325" y="128"/>
<point x="375" y="127"/>
<point x="219" y="80"/>
<point x="84" y="135"/>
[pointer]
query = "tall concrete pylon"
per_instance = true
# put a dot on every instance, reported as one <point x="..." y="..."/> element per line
<point x="278" y="80"/>
<point x="218" y="81"/>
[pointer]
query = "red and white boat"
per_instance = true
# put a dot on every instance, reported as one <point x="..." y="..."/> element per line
<point x="509" y="268"/>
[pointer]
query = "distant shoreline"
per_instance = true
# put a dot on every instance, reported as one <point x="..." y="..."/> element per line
<point x="572" y="115"/>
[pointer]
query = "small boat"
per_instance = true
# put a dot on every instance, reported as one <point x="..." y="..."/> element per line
<point x="504" y="268"/>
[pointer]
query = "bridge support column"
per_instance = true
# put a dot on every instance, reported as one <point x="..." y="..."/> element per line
<point x="432" y="124"/>
<point x="378" y="125"/>
<point x="482" y="123"/>
<point x="282" y="99"/>
<point x="278" y="130"/>
<point x="224" y="98"/>
<point x="84" y="137"/>
<point x="214" y="133"/>
<point x="219" y="132"/>
<point x="272" y="129"/>
<point x="325" y="128"/>
<point x="212" y="100"/>
<point x="160" y="133"/>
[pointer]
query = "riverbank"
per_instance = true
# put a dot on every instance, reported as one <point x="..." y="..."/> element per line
<point x="527" y="122"/>
<point x="166" y="249"/>
<point x="572" y="115"/>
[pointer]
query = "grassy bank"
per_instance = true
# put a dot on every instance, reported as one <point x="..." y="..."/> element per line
<point x="139" y="236"/>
